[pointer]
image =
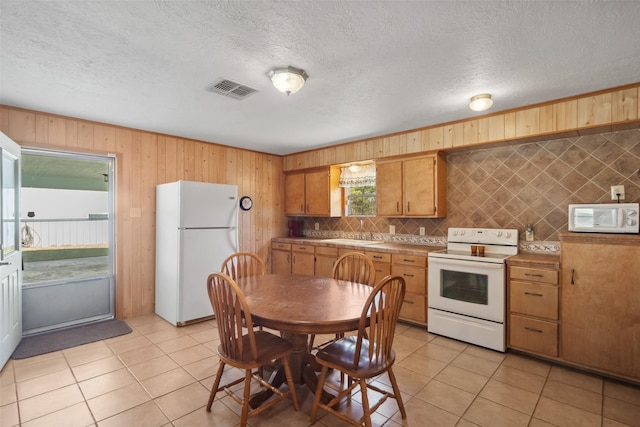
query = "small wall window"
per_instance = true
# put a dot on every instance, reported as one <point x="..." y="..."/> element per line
<point x="359" y="182"/>
<point x="361" y="201"/>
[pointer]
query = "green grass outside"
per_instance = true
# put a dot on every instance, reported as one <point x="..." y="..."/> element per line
<point x="53" y="254"/>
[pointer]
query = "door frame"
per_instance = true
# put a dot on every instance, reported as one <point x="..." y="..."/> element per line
<point x="110" y="160"/>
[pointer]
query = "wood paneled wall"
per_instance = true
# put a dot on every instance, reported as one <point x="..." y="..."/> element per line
<point x="596" y="112"/>
<point x="144" y="159"/>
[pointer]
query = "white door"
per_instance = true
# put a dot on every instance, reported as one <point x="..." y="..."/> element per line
<point x="10" y="253"/>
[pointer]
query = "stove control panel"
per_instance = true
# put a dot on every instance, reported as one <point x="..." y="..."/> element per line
<point x="488" y="236"/>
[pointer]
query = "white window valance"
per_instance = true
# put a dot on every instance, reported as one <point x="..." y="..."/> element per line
<point x="358" y="175"/>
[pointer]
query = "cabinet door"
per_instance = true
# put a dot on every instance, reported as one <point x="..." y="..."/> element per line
<point x="414" y="308"/>
<point x="317" y="193"/>
<point x="389" y="189"/>
<point x="302" y="263"/>
<point x="414" y="277"/>
<point x="324" y="265"/>
<point x="600" y="306"/>
<point x="419" y="187"/>
<point x="325" y="259"/>
<point x="294" y="194"/>
<point x="280" y="261"/>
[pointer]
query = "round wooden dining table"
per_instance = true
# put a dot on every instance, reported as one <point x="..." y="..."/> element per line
<point x="299" y="305"/>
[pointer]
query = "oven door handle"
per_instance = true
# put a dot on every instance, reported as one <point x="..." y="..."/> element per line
<point x="441" y="262"/>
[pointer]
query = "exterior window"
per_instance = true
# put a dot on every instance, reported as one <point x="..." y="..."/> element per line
<point x="361" y="201"/>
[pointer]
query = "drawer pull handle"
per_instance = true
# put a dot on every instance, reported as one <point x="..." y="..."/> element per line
<point x="377" y="257"/>
<point x="408" y="275"/>
<point x="533" y="329"/>
<point x="378" y="271"/>
<point x="533" y="294"/>
<point x="408" y="260"/>
<point x="573" y="271"/>
<point x="408" y="302"/>
<point x="534" y="274"/>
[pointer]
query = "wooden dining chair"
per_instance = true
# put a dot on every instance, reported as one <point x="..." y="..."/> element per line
<point x="362" y="358"/>
<point x="249" y="351"/>
<point x="353" y="267"/>
<point x="243" y="264"/>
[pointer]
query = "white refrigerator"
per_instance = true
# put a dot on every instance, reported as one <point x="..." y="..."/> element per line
<point x="196" y="229"/>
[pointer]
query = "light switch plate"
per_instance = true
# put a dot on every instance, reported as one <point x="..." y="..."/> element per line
<point x="317" y="226"/>
<point x="392" y="229"/>
<point x="422" y="231"/>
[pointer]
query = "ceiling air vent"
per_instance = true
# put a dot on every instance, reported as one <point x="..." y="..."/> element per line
<point x="231" y="89"/>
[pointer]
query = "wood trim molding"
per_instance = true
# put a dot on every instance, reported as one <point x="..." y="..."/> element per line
<point x="596" y="112"/>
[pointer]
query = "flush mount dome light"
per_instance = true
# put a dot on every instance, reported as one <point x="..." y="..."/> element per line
<point x="287" y="79"/>
<point x="481" y="102"/>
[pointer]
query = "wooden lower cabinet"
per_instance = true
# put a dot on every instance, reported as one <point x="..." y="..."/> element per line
<point x="413" y="269"/>
<point x="381" y="263"/>
<point x="601" y="302"/>
<point x="533" y="335"/>
<point x="532" y="290"/>
<point x="302" y="259"/>
<point x="326" y="258"/>
<point x="280" y="257"/>
<point x="319" y="260"/>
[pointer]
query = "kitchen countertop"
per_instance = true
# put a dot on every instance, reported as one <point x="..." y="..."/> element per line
<point x="535" y="260"/>
<point x="379" y="246"/>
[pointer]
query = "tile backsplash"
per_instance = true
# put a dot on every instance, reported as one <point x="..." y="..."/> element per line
<point x="511" y="186"/>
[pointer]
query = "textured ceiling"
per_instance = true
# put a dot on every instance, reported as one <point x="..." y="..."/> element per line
<point x="375" y="67"/>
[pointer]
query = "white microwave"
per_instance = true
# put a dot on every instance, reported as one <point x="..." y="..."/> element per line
<point x="604" y="217"/>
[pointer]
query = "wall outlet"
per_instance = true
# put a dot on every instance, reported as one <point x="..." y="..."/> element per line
<point x="615" y="190"/>
<point x="317" y="226"/>
<point x="392" y="229"/>
<point x="422" y="231"/>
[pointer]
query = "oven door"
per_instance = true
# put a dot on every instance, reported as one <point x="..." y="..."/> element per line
<point x="470" y="288"/>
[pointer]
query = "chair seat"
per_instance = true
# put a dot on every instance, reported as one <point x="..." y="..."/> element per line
<point x="269" y="347"/>
<point x="341" y="354"/>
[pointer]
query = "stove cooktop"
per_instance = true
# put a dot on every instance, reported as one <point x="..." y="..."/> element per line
<point x="466" y="255"/>
<point x="498" y="243"/>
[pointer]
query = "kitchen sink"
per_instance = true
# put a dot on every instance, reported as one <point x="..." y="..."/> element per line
<point x="352" y="241"/>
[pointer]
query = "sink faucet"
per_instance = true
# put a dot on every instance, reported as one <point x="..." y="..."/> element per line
<point x="361" y="227"/>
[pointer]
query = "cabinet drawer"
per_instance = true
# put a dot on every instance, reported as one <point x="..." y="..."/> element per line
<point x="417" y="260"/>
<point x="342" y="251"/>
<point x="303" y="248"/>
<point x="326" y="250"/>
<point x="534" y="275"/>
<point x="534" y="335"/>
<point x="414" y="307"/>
<point x="378" y="256"/>
<point x="281" y="246"/>
<point x="382" y="270"/>
<point x="533" y="299"/>
<point x="414" y="277"/>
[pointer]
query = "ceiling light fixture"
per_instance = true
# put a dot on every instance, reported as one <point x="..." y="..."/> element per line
<point x="481" y="102"/>
<point x="287" y="79"/>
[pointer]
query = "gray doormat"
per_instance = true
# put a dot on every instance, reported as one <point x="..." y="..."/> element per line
<point x="66" y="338"/>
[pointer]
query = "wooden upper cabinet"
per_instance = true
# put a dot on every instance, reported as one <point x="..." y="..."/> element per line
<point x="389" y="188"/>
<point x="412" y="187"/>
<point x="294" y="194"/>
<point x="313" y="193"/>
<point x="420" y="193"/>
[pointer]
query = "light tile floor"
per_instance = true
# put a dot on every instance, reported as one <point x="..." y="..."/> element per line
<point x="160" y="375"/>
